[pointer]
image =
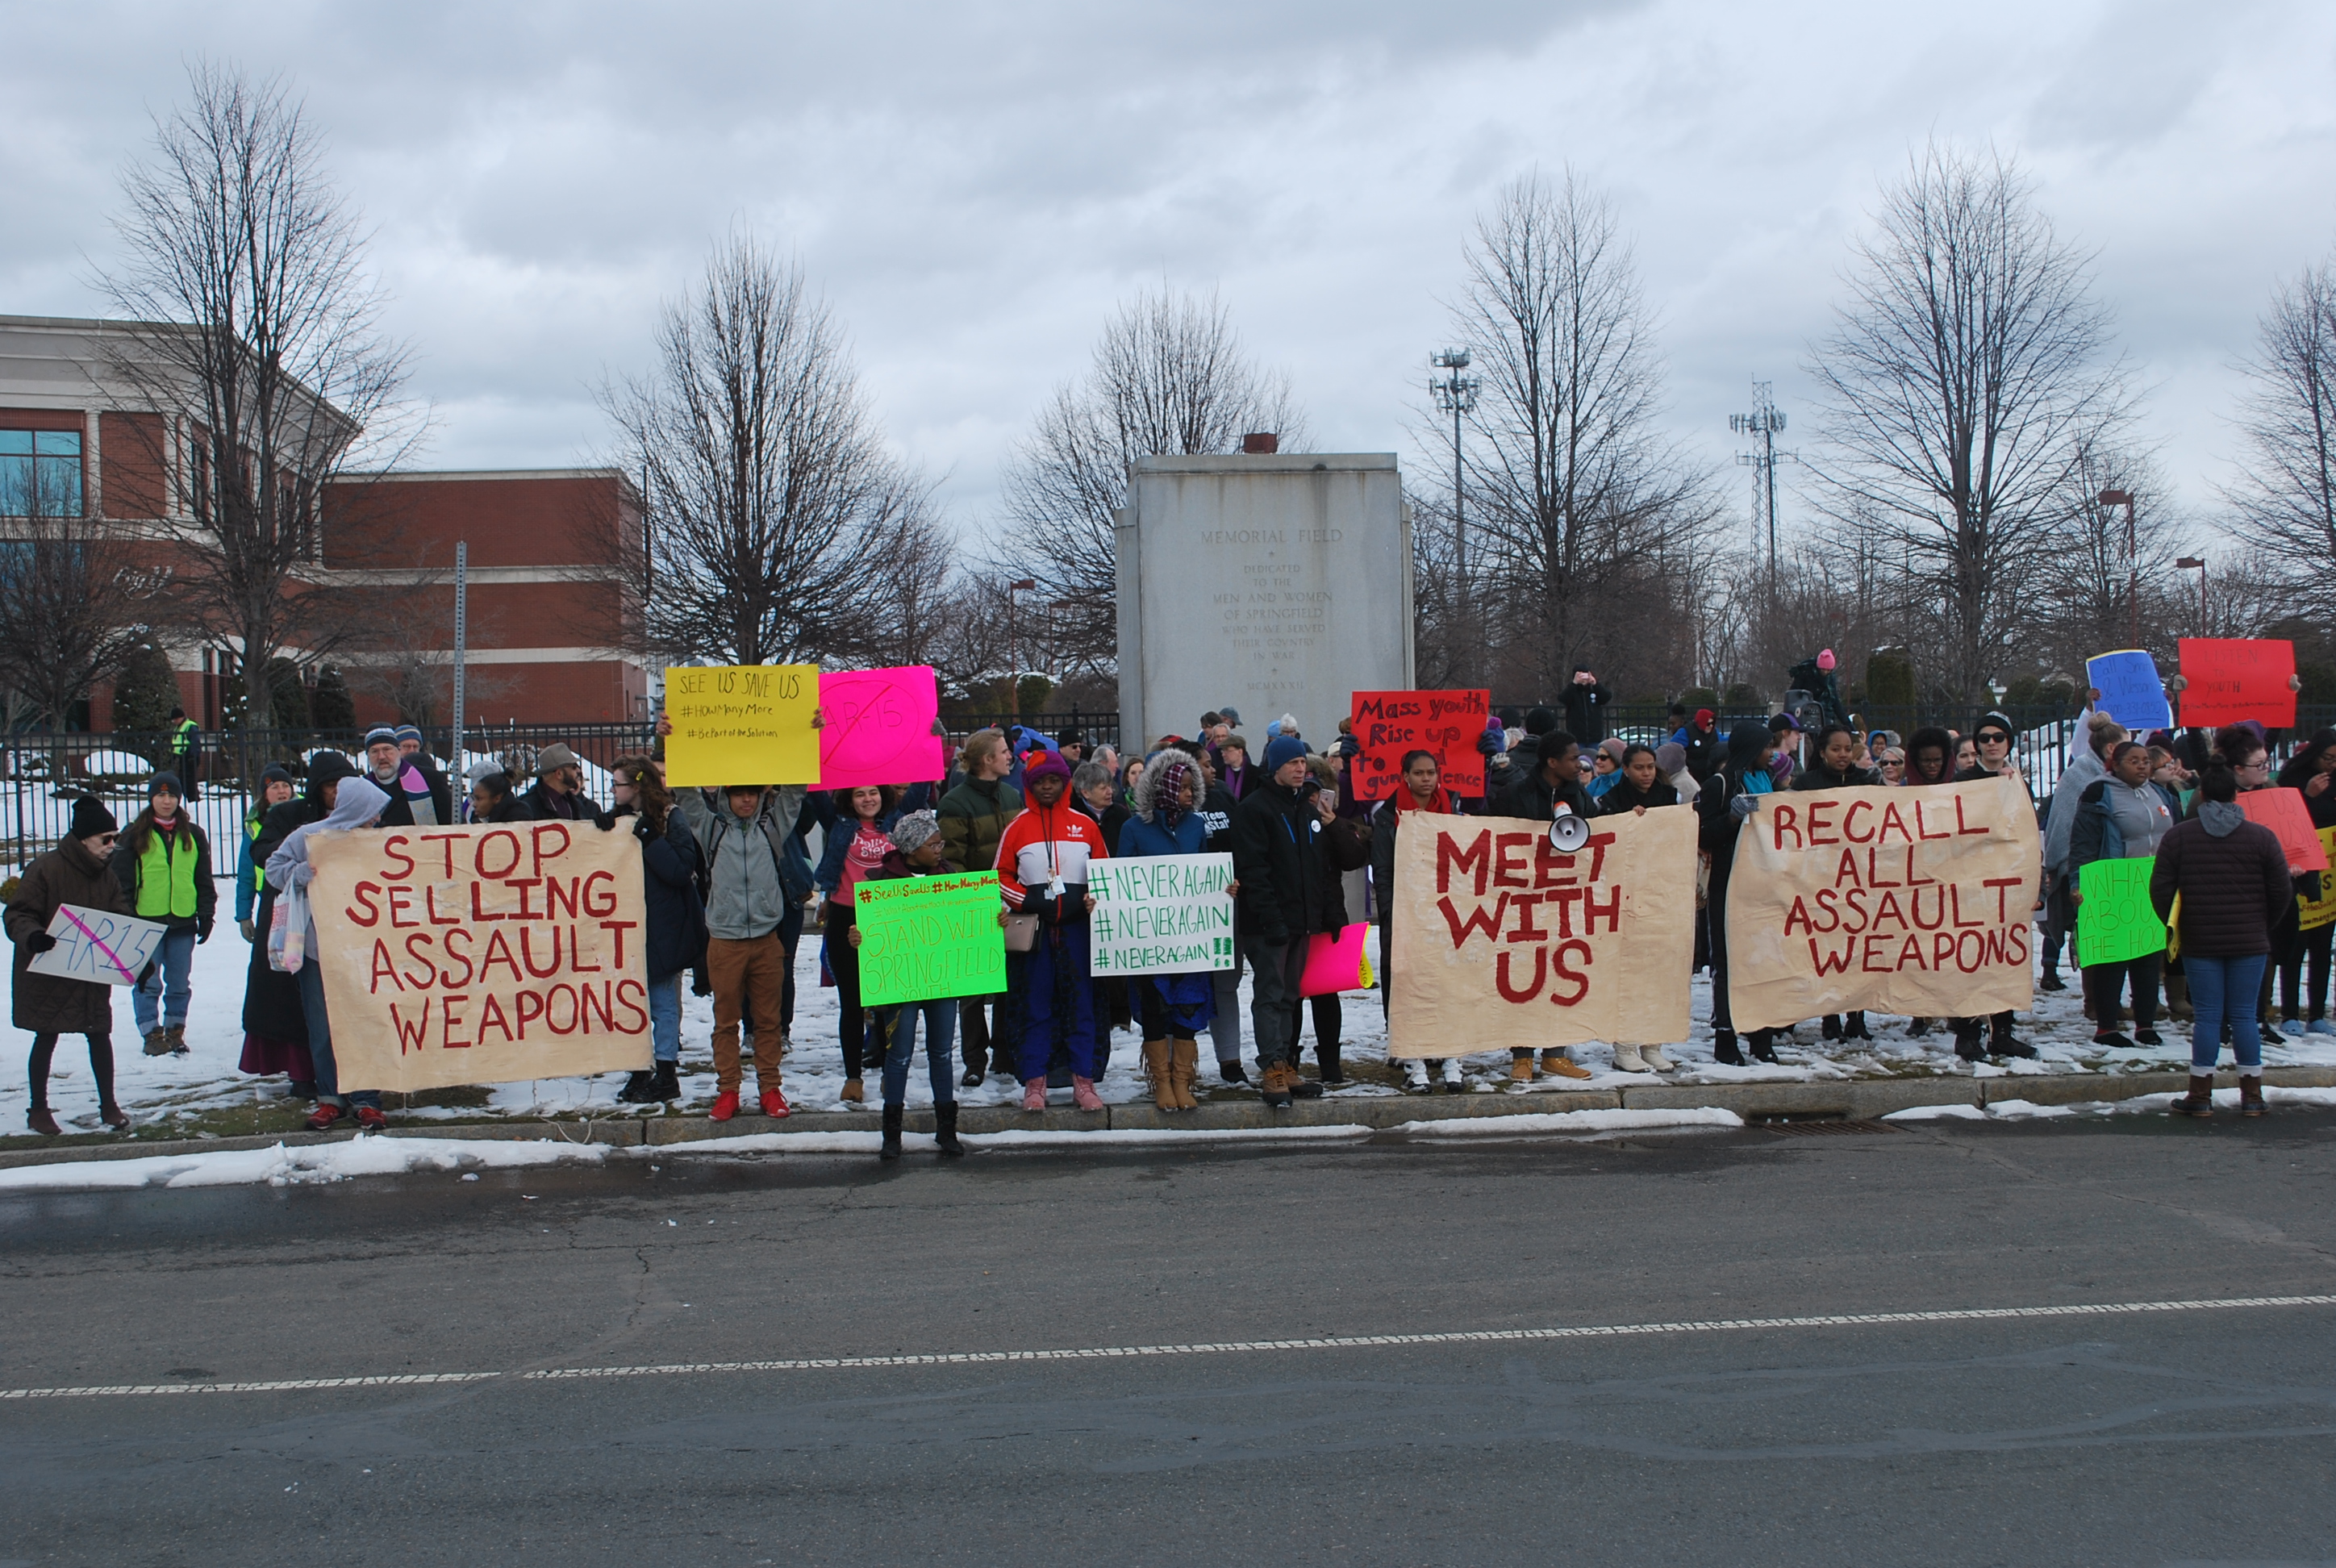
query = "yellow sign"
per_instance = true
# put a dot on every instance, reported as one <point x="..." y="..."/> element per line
<point x="2314" y="914"/>
<point x="741" y="723"/>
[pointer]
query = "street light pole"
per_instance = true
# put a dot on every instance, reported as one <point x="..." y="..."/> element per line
<point x="1013" y="649"/>
<point x="2197" y="563"/>
<point x="1456" y="394"/>
<point x="2133" y="565"/>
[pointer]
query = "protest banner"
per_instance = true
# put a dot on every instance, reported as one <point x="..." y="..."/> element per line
<point x="481" y="954"/>
<point x="927" y="937"/>
<point x="741" y="723"/>
<point x="1915" y="900"/>
<point x="2115" y="919"/>
<point x="2229" y="678"/>
<point x="2131" y="692"/>
<point x="2311" y="913"/>
<point x="1500" y="941"/>
<point x="1161" y="914"/>
<point x="2283" y="811"/>
<point x="1388" y="723"/>
<point x="879" y="727"/>
<point x="98" y="946"/>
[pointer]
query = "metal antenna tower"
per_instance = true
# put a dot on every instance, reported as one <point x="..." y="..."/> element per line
<point x="1762" y="424"/>
<point x="1455" y="395"/>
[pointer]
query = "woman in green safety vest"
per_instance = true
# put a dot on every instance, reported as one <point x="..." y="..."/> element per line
<point x="250" y="871"/>
<point x="164" y="863"/>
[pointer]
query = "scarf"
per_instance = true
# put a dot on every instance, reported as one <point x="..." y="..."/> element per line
<point x="1438" y="804"/>
<point x="1168" y="799"/>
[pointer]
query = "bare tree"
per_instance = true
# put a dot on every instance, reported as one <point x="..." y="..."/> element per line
<point x="253" y="338"/>
<point x="2106" y="584"/>
<point x="2286" y="498"/>
<point x="1969" y="373"/>
<point x="75" y="601"/>
<point x="776" y="518"/>
<point x="1589" y="524"/>
<point x="1169" y="378"/>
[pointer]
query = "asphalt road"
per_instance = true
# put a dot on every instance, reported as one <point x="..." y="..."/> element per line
<point x="2161" y="1437"/>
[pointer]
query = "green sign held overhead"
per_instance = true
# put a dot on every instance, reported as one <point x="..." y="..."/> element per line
<point x="927" y="937"/>
<point x="2117" y="922"/>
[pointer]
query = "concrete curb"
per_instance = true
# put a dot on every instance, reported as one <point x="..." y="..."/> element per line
<point x="1839" y="1099"/>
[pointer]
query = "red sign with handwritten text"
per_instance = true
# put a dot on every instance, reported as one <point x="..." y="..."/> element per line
<point x="1390" y="723"/>
<point x="2230" y="679"/>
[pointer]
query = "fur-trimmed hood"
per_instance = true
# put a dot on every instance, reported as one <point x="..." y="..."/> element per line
<point x="1145" y="801"/>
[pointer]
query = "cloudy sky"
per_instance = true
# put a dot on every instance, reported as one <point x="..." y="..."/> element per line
<point x="974" y="185"/>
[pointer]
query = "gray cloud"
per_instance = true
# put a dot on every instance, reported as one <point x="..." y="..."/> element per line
<point x="974" y="186"/>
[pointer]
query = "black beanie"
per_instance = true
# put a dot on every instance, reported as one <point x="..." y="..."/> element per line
<point x="90" y="818"/>
<point x="165" y="780"/>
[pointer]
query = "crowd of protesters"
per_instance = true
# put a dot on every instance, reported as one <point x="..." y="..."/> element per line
<point x="732" y="891"/>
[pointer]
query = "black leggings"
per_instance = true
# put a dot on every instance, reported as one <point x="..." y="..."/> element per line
<point x="2312" y="944"/>
<point x="101" y="1067"/>
<point x="843" y="963"/>
<point x="1157" y="1025"/>
<point x="2105" y="984"/>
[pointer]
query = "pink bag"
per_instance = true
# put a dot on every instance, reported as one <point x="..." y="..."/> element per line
<point x="1337" y="962"/>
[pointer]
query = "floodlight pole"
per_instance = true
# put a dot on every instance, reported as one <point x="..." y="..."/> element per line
<point x="1455" y="395"/>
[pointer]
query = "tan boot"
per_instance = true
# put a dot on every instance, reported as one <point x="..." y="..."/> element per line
<point x="1184" y="1070"/>
<point x="1558" y="1065"/>
<point x="1156" y="1072"/>
<point x="1521" y="1074"/>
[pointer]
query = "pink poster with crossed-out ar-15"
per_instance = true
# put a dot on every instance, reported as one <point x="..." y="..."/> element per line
<point x="879" y="728"/>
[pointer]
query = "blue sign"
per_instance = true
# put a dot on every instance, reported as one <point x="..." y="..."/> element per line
<point x="2130" y="691"/>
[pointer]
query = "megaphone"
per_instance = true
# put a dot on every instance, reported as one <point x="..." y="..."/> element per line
<point x="1568" y="833"/>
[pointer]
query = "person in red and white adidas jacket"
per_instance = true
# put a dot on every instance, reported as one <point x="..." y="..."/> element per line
<point x="1042" y="870"/>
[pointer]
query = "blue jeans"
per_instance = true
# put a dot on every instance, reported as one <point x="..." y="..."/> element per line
<point x="940" y="1055"/>
<point x="665" y="1016"/>
<point x="174" y="958"/>
<point x="320" y="1042"/>
<point x="2220" y="987"/>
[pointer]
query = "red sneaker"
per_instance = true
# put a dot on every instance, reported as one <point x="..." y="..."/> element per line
<point x="322" y="1118"/>
<point x="774" y="1104"/>
<point x="370" y="1119"/>
<point x="725" y="1105"/>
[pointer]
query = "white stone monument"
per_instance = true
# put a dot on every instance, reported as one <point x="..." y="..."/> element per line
<point x="1279" y="583"/>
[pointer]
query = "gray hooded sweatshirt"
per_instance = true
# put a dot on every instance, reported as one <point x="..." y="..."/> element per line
<point x="355" y="805"/>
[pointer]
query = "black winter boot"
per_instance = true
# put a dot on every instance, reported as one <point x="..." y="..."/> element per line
<point x="638" y="1088"/>
<point x="1852" y="1027"/>
<point x="1332" y="1072"/>
<point x="1829" y="1029"/>
<point x="667" y="1084"/>
<point x="1764" y="1045"/>
<point x="2001" y="1044"/>
<point x="945" y="1129"/>
<point x="1723" y="1049"/>
<point x="892" y="1149"/>
<point x="1967" y="1044"/>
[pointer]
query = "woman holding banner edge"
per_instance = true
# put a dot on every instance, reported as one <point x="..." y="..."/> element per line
<point x="1421" y="791"/>
<point x="1729" y="796"/>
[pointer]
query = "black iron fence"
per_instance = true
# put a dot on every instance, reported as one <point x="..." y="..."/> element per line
<point x="40" y="776"/>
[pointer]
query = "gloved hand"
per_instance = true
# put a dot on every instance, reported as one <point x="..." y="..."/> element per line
<point x="202" y="935"/>
<point x="250" y="932"/>
<point x="1743" y="806"/>
<point x="1491" y="742"/>
<point x="641" y="829"/>
<point x="39" y="942"/>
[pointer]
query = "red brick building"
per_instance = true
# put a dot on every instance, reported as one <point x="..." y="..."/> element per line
<point x="546" y="603"/>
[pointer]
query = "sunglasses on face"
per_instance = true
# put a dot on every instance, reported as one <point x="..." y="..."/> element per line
<point x="107" y="838"/>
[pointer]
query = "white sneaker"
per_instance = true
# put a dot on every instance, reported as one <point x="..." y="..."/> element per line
<point x="1452" y="1074"/>
<point x="1655" y="1059"/>
<point x="1414" y="1076"/>
<point x="1627" y="1060"/>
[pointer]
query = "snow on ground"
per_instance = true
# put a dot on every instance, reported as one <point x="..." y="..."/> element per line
<point x="206" y="1081"/>
<point x="2025" y="1111"/>
<point x="280" y="1166"/>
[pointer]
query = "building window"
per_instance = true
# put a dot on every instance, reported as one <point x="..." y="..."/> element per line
<point x="40" y="474"/>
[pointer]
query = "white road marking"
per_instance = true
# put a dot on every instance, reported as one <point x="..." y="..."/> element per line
<point x="1230" y="1347"/>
